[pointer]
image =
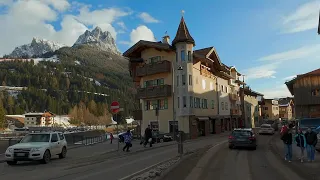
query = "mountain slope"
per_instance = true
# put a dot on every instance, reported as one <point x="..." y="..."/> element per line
<point x="98" y="38"/>
<point x="37" y="47"/>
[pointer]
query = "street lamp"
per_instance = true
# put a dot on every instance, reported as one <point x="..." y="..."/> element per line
<point x="173" y="86"/>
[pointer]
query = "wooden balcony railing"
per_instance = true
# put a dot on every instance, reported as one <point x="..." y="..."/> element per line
<point x="154" y="92"/>
<point x="154" y="68"/>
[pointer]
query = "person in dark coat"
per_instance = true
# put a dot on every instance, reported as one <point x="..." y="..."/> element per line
<point x="287" y="140"/>
<point x="300" y="139"/>
<point x="311" y="140"/>
<point x="147" y="136"/>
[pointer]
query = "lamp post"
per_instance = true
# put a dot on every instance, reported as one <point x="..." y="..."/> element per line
<point x="173" y="98"/>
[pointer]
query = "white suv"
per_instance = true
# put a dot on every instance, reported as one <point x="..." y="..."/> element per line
<point x="37" y="146"/>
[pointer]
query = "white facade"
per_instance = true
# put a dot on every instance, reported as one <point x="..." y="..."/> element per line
<point x="224" y="101"/>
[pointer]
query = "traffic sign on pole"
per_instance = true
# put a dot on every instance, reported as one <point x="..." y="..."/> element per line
<point x="115" y="107"/>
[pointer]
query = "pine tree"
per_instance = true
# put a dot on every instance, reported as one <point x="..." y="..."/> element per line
<point x="2" y="115"/>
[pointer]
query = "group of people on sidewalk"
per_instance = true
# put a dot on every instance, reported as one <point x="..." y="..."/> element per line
<point x="307" y="141"/>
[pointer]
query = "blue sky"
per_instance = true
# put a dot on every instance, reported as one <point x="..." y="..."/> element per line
<point x="268" y="41"/>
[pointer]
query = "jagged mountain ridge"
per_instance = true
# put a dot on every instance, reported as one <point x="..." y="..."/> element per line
<point x="36" y="48"/>
<point x="98" y="38"/>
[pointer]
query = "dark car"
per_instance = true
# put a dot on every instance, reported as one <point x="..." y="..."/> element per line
<point x="160" y="137"/>
<point x="242" y="138"/>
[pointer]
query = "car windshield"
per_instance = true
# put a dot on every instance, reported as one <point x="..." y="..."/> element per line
<point x="241" y="133"/>
<point x="36" y="138"/>
<point x="265" y="126"/>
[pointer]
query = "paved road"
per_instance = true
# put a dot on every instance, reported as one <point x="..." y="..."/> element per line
<point x="110" y="166"/>
<point x="237" y="164"/>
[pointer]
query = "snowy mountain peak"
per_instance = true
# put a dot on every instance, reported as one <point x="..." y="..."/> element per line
<point x="98" y="38"/>
<point x="36" y="48"/>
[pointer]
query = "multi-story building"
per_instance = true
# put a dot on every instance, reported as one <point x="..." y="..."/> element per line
<point x="180" y="88"/>
<point x="286" y="108"/>
<point x="251" y="108"/>
<point x="306" y="91"/>
<point x="39" y="119"/>
<point x="270" y="109"/>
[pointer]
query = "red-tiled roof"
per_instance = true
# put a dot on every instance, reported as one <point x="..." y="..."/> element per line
<point x="183" y="34"/>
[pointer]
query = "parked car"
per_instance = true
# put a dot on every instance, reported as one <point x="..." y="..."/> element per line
<point x="242" y="137"/>
<point x="37" y="146"/>
<point x="266" y="129"/>
<point x="160" y="137"/>
<point x="318" y="144"/>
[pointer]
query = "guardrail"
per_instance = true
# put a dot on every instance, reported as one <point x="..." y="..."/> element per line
<point x="91" y="140"/>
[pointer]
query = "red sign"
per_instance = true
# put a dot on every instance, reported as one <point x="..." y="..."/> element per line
<point x="115" y="107"/>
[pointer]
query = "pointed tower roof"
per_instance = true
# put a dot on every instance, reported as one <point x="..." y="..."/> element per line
<point x="183" y="34"/>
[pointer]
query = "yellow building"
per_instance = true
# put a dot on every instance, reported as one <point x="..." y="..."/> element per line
<point x="251" y="108"/>
<point x="180" y="88"/>
<point x="270" y="109"/>
<point x="286" y="108"/>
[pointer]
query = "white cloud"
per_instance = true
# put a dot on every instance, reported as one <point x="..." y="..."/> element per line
<point x="5" y="2"/>
<point x="147" y="18"/>
<point x="262" y="71"/>
<point x="289" y="78"/>
<point x="122" y="25"/>
<point x="305" y="17"/>
<point x="276" y="92"/>
<point x="300" y="53"/>
<point x="24" y="20"/>
<point x="142" y="32"/>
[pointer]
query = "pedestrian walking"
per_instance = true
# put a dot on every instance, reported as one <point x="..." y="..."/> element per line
<point x="287" y="140"/>
<point x="311" y="140"/>
<point x="111" y="138"/>
<point x="148" y="136"/>
<point x="301" y="142"/>
<point x="127" y="140"/>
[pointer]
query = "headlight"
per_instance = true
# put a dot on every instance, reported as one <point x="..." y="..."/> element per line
<point x="35" y="149"/>
<point x="10" y="150"/>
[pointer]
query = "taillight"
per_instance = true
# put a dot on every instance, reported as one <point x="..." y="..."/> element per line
<point x="252" y="138"/>
<point x="231" y="137"/>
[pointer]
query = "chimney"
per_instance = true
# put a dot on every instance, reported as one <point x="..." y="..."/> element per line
<point x="166" y="39"/>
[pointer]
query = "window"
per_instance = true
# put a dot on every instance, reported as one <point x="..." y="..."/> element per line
<point x="184" y="101"/>
<point x="154" y="59"/>
<point x="211" y="86"/>
<point x="221" y="88"/>
<point x="54" y="138"/>
<point x="226" y="89"/>
<point x="222" y="105"/>
<point x="153" y="104"/>
<point x="315" y="92"/>
<point x="183" y="58"/>
<point x="212" y="104"/>
<point x="203" y="84"/>
<point x="154" y="82"/>
<point x="226" y="106"/>
<point x="204" y="104"/>
<point x="189" y="56"/>
<point x="178" y="102"/>
<point x="191" y="101"/>
<point x="177" y="81"/>
<point x="61" y="136"/>
<point x="183" y="77"/>
<point x="190" y="80"/>
<point x="173" y="125"/>
<point x="265" y="108"/>
<point x="197" y="103"/>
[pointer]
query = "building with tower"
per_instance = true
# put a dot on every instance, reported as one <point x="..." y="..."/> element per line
<point x="180" y="88"/>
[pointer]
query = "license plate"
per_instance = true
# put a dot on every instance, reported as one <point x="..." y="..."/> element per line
<point x="20" y="154"/>
<point x="241" y="139"/>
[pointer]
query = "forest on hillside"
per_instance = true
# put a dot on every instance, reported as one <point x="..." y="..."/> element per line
<point x="85" y="92"/>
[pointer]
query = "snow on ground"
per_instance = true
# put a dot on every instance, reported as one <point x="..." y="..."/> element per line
<point x="51" y="59"/>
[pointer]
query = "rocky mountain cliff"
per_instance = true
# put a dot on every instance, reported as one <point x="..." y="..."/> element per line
<point x="98" y="38"/>
<point x="36" y="48"/>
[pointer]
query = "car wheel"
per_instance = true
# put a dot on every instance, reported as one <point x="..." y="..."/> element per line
<point x="63" y="153"/>
<point x="46" y="157"/>
<point x="231" y="147"/>
<point x="11" y="163"/>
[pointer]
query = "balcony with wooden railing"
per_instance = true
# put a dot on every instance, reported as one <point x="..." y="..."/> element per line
<point x="154" y="92"/>
<point x="234" y="97"/>
<point x="163" y="66"/>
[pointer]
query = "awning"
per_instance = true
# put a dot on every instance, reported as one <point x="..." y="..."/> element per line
<point x="203" y="118"/>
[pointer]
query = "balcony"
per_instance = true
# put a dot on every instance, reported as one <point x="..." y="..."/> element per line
<point x="154" y="92"/>
<point x="235" y="112"/>
<point x="234" y="97"/>
<point x="137" y="114"/>
<point x="154" y="68"/>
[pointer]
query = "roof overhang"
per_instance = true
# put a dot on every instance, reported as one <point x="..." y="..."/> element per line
<point x="290" y="85"/>
<point x="135" y="50"/>
<point x="250" y="92"/>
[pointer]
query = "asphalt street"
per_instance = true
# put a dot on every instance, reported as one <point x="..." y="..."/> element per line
<point x="109" y="166"/>
<point x="238" y="164"/>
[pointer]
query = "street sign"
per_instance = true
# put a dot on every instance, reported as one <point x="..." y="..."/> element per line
<point x="115" y="107"/>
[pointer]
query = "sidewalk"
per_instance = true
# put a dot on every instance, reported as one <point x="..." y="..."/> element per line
<point x="307" y="168"/>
